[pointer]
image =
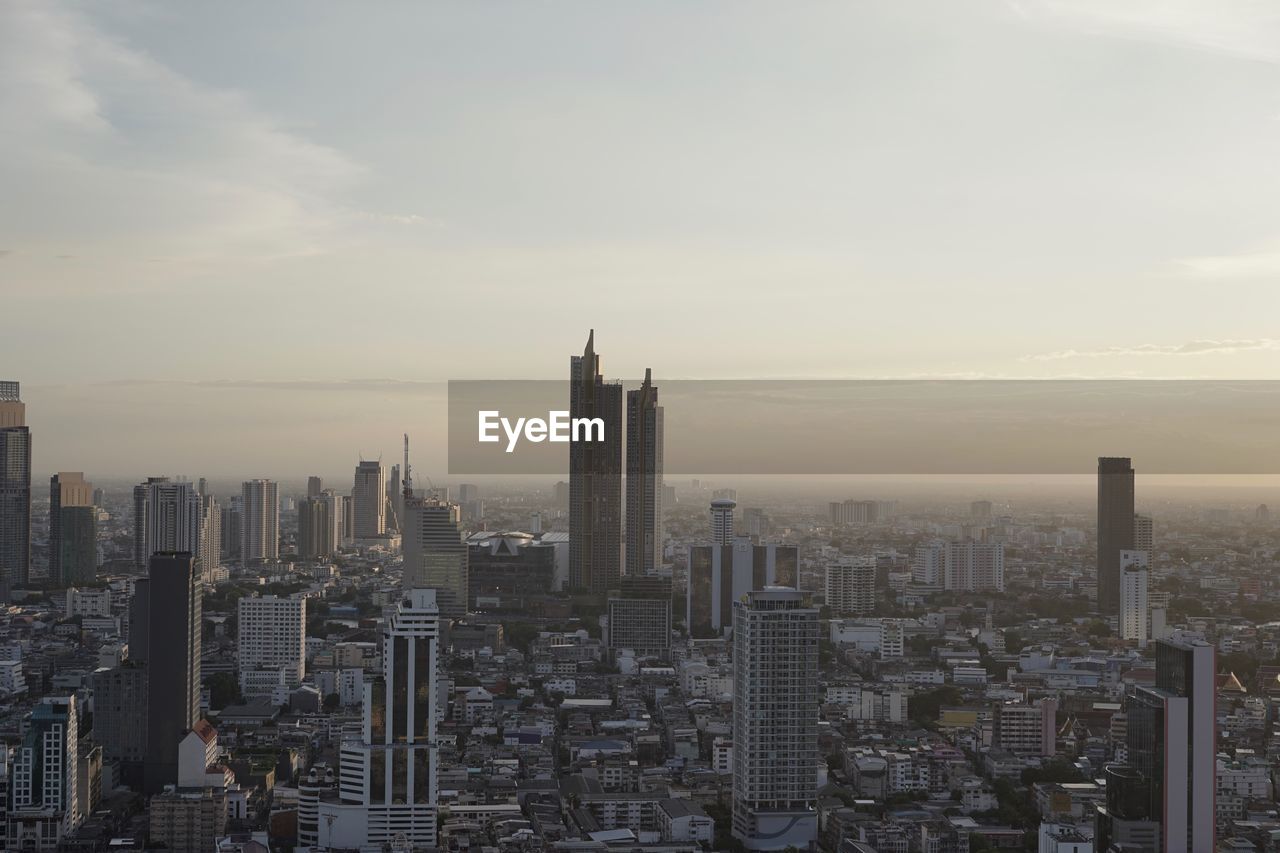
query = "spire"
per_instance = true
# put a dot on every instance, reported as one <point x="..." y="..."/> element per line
<point x="591" y="344"/>
<point x="648" y="376"/>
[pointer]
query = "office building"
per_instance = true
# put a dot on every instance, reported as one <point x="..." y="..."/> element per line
<point x="369" y="501"/>
<point x="1134" y="608"/>
<point x="1163" y="797"/>
<point x="44" y="806"/>
<point x="120" y="717"/>
<point x="259" y="522"/>
<point x="209" y="555"/>
<point x="435" y="553"/>
<point x="386" y="787"/>
<point x="851" y="586"/>
<point x="722" y="521"/>
<point x="395" y="500"/>
<point x="644" y="480"/>
<point x="76" y="546"/>
<point x="166" y="518"/>
<point x="165" y="636"/>
<point x="231" y="530"/>
<point x="775" y="720"/>
<point x="1028" y="729"/>
<point x="271" y="643"/>
<point x="595" y="477"/>
<point x="15" y="491"/>
<point x="640" y="617"/>
<point x="314" y="529"/>
<point x="314" y="486"/>
<point x="719" y="575"/>
<point x="1115" y="527"/>
<point x="66" y="489"/>
<point x="510" y="571"/>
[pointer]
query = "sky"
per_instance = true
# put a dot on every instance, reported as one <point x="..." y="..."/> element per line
<point x="246" y="238"/>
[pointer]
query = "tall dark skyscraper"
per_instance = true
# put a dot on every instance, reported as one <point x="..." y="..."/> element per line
<point x="69" y="491"/>
<point x="1115" y="526"/>
<point x="170" y="641"/>
<point x="595" y="478"/>
<point x="644" y="479"/>
<point x="15" y="490"/>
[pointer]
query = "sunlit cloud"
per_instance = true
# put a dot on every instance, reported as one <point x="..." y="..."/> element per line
<point x="1198" y="347"/>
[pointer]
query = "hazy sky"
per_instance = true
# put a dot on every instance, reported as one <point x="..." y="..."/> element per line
<point x="222" y="220"/>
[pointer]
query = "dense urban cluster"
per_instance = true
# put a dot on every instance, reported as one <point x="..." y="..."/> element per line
<point x="627" y="662"/>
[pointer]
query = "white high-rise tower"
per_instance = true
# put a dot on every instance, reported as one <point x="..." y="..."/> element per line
<point x="260" y="521"/>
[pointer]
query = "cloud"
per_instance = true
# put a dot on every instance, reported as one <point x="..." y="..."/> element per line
<point x="122" y="156"/>
<point x="1244" y="29"/>
<point x="379" y="385"/>
<point x="1198" y="347"/>
<point x="1245" y="265"/>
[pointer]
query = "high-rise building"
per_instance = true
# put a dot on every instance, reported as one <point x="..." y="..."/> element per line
<point x="260" y="521"/>
<point x="860" y="512"/>
<point x="851" y="586"/>
<point x="183" y="820"/>
<point x="640" y="617"/>
<point x="1135" y="612"/>
<point x="395" y="500"/>
<point x="315" y="532"/>
<point x="387" y="790"/>
<point x="595" y="477"/>
<point x="722" y="521"/>
<point x="232" y="519"/>
<point x="271" y="643"/>
<point x="66" y="489"/>
<point x="468" y="492"/>
<point x="337" y="512"/>
<point x="1143" y="535"/>
<point x="166" y="518"/>
<point x="644" y="479"/>
<point x="1115" y="526"/>
<point x="76" y="546"/>
<point x="1163" y="798"/>
<point x="43" y="807"/>
<point x="368" y="499"/>
<point x="210" y="554"/>
<point x="120" y="717"/>
<point x="974" y="567"/>
<point x="165" y="634"/>
<point x="314" y="486"/>
<point x="15" y="491"/>
<point x="435" y="553"/>
<point x="775" y="720"/>
<point x="719" y="575"/>
<point x="510" y="571"/>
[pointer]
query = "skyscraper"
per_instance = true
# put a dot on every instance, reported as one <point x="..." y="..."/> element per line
<point x="719" y="575"/>
<point x="15" y="491"/>
<point x="387" y="786"/>
<point x="166" y="518"/>
<point x="395" y="500"/>
<point x="1164" y="797"/>
<point x="595" y="478"/>
<point x="209" y="555"/>
<point x="435" y="553"/>
<point x="644" y="479"/>
<point x="1134" y="611"/>
<point x="314" y="486"/>
<point x="1115" y="527"/>
<point x="314" y="533"/>
<point x="232" y="518"/>
<point x="369" y="501"/>
<point x="775" y="720"/>
<point x="77" y="546"/>
<point x="170" y="648"/>
<point x="260" y="521"/>
<point x="43" y="807"/>
<point x="722" y="520"/>
<point x="66" y="489"/>
<point x="640" y="616"/>
<point x="270" y="643"/>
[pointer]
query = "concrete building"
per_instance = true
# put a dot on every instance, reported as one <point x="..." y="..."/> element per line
<point x="15" y="491"/>
<point x="1135" y="615"/>
<point x="775" y="720"/>
<point x="186" y="820"/>
<point x="1026" y="728"/>
<point x="435" y="553"/>
<point x="43" y="803"/>
<point x="271" y="643"/>
<point x="720" y="575"/>
<point x="69" y="489"/>
<point x="369" y="500"/>
<point x="386" y="787"/>
<point x="644" y="480"/>
<point x="1115" y="527"/>
<point x="722" y="521"/>
<point x="259" y="522"/>
<point x="851" y="586"/>
<point x="166" y="518"/>
<point x="640" y="617"/>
